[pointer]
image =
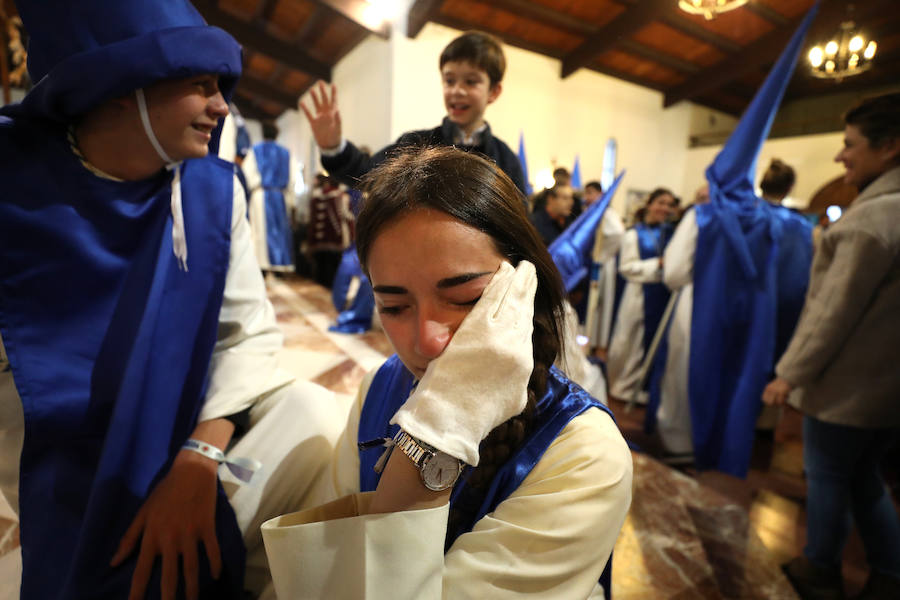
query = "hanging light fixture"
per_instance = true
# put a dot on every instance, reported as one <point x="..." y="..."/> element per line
<point x="847" y="53"/>
<point x="709" y="8"/>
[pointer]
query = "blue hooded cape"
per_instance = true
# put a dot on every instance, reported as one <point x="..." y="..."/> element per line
<point x="750" y="272"/>
<point x="108" y="340"/>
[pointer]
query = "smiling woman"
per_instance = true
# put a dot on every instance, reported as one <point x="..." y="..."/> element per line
<point x="472" y="304"/>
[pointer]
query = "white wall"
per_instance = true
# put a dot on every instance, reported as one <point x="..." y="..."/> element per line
<point x="812" y="157"/>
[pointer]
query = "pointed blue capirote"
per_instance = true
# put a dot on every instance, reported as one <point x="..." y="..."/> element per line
<point x="731" y="174"/>
<point x="524" y="163"/>
<point x="750" y="272"/>
<point x="571" y="251"/>
<point x="576" y="174"/>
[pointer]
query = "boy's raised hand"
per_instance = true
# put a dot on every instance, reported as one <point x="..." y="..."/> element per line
<point x="326" y="120"/>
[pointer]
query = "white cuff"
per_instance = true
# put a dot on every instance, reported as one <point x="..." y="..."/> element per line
<point x="334" y="151"/>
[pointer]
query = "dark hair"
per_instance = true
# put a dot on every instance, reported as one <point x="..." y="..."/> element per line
<point x="778" y="179"/>
<point x="595" y="185"/>
<point x="642" y="211"/>
<point x="554" y="191"/>
<point x="478" y="193"/>
<point x="269" y="130"/>
<point x="878" y="118"/>
<point x="479" y="48"/>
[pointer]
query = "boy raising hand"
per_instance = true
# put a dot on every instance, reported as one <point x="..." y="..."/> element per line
<point x="472" y="68"/>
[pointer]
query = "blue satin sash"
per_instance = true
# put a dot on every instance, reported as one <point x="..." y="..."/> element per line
<point x="733" y="330"/>
<point x="562" y="402"/>
<point x="274" y="164"/>
<point x="109" y="343"/>
<point x="652" y="241"/>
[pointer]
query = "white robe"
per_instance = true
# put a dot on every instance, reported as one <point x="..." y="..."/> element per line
<point x="293" y="427"/>
<point x="673" y="419"/>
<point x="626" y="350"/>
<point x="601" y="297"/>
<point x="550" y="539"/>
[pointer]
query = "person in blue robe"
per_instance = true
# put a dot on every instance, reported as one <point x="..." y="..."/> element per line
<point x="267" y="171"/>
<point x="750" y="271"/>
<point x="473" y="306"/>
<point x="137" y="331"/>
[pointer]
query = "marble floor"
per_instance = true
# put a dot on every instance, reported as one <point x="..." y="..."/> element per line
<point x="687" y="536"/>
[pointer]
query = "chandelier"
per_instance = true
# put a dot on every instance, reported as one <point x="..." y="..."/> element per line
<point x="846" y="54"/>
<point x="709" y="8"/>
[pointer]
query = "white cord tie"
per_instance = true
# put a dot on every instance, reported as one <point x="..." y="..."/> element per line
<point x="179" y="241"/>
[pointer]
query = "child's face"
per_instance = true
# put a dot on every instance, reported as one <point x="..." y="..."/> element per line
<point x="467" y="92"/>
<point x="184" y="112"/>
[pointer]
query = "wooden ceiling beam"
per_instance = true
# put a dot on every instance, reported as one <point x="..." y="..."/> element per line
<point x="252" y="37"/>
<point x="656" y="56"/>
<point x="420" y="13"/>
<point x="361" y="13"/>
<point x="761" y="10"/>
<point x="611" y="34"/>
<point x="675" y="19"/>
<point x="766" y="49"/>
<point x="512" y="40"/>
<point x="264" y="12"/>
<point x="249" y="107"/>
<point x="546" y="16"/>
<point x="268" y="91"/>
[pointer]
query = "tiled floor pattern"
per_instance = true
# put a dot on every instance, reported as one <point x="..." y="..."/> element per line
<point x="687" y="536"/>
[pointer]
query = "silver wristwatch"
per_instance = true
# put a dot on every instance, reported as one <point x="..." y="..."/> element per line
<point x="438" y="469"/>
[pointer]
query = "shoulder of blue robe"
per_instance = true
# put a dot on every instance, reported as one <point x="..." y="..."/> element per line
<point x="795" y="252"/>
<point x="735" y="316"/>
<point x="109" y="343"/>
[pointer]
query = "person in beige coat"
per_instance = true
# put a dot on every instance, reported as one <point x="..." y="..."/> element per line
<point x="843" y="360"/>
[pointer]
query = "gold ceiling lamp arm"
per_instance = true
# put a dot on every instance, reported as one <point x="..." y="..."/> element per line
<point x="709" y="8"/>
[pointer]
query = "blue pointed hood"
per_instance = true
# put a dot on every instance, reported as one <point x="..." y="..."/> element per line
<point x="733" y="169"/>
<point x="571" y="251"/>
<point x="730" y="176"/>
<point x="576" y="174"/>
<point x="524" y="163"/>
<point x="83" y="53"/>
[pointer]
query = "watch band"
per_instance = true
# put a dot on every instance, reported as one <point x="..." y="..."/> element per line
<point x="412" y="448"/>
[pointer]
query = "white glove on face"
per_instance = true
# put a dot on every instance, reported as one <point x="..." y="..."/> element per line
<point x="481" y="378"/>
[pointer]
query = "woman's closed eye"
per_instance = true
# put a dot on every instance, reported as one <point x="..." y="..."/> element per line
<point x="391" y="310"/>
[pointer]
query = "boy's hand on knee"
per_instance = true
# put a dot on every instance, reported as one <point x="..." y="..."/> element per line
<point x="175" y="519"/>
<point x="326" y="120"/>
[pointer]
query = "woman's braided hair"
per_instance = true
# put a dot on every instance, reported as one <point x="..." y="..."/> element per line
<point x="475" y="191"/>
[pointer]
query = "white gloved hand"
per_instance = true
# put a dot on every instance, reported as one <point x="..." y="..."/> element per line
<point x="481" y="378"/>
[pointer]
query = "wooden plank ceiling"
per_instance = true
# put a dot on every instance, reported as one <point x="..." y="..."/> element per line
<point x="717" y="63"/>
<point x="289" y="44"/>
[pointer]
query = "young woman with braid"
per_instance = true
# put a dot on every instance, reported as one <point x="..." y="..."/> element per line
<point x="503" y="478"/>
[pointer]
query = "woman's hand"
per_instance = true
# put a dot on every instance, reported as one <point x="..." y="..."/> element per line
<point x="480" y="380"/>
<point x="178" y="515"/>
<point x="326" y="122"/>
<point x="777" y="392"/>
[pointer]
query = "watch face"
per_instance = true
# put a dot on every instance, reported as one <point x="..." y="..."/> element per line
<point x="440" y="471"/>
